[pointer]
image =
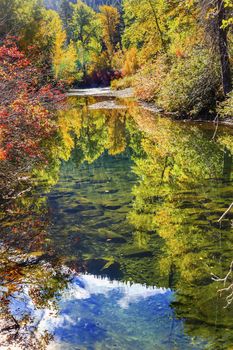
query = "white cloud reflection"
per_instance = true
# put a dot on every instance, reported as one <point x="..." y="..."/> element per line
<point x="130" y="293"/>
<point x="81" y="288"/>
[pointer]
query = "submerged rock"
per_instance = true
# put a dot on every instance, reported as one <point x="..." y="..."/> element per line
<point x="111" y="207"/>
<point x="137" y="253"/>
<point x="80" y="208"/>
<point x="108" y="234"/>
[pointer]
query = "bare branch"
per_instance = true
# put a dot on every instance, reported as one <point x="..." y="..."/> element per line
<point x="226" y="212"/>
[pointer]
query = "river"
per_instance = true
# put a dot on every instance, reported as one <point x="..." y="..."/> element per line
<point x="116" y="244"/>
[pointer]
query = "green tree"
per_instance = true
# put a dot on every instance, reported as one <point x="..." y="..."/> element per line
<point x="85" y="30"/>
<point x="66" y="12"/>
<point x="144" y="26"/>
<point x="17" y="16"/>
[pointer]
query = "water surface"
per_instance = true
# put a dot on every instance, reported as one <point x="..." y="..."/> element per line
<point x="114" y="246"/>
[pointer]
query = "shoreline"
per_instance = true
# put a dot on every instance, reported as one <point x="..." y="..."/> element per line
<point x="111" y="103"/>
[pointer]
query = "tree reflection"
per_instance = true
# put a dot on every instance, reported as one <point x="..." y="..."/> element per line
<point x="184" y="186"/>
<point x="31" y="274"/>
<point x="32" y="269"/>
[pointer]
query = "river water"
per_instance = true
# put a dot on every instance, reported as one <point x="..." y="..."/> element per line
<point x="116" y="244"/>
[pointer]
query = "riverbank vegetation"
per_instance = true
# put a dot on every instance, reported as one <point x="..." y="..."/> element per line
<point x="183" y="52"/>
<point x="175" y="55"/>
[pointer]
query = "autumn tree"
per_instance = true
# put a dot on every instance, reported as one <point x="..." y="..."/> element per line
<point x="16" y="16"/>
<point x="217" y="16"/>
<point x="85" y="30"/>
<point x="26" y="117"/>
<point x="40" y="43"/>
<point x="144" y="26"/>
<point x="66" y="12"/>
<point x="110" y="19"/>
<point x="180" y="67"/>
<point x="51" y="39"/>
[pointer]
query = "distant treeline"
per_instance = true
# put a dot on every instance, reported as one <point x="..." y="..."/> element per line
<point x="56" y="4"/>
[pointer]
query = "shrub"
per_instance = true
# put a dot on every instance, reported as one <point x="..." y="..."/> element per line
<point x="26" y="116"/>
<point x="147" y="82"/>
<point x="123" y="83"/>
<point x="225" y="108"/>
<point x="190" y="86"/>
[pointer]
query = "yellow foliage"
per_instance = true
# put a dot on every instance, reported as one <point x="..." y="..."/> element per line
<point x="109" y="18"/>
<point x="68" y="122"/>
<point x="99" y="61"/>
<point x="131" y="62"/>
<point x="64" y="61"/>
<point x="147" y="82"/>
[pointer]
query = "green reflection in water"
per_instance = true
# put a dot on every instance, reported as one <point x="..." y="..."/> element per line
<point x="155" y="224"/>
<point x="184" y="187"/>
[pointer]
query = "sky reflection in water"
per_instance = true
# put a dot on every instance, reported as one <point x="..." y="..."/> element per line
<point x="97" y="313"/>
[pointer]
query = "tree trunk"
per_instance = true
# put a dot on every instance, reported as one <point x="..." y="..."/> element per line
<point x="227" y="165"/>
<point x="223" y="50"/>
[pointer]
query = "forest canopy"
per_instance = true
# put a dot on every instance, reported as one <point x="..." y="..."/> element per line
<point x="175" y="54"/>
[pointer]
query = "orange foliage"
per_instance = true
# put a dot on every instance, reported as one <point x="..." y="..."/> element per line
<point x="24" y="113"/>
<point x="131" y="62"/>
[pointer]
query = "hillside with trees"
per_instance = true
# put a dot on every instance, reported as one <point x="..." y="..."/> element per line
<point x="176" y="55"/>
<point x="56" y="4"/>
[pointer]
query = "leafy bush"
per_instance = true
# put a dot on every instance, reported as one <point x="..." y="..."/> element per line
<point x="186" y="84"/>
<point x="26" y="116"/>
<point x="123" y="83"/>
<point x="147" y="82"/>
<point x="225" y="108"/>
<point x="190" y="86"/>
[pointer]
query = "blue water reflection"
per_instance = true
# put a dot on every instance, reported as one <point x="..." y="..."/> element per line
<point x="96" y="313"/>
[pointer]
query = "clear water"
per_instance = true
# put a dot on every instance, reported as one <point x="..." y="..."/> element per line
<point x="114" y="246"/>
